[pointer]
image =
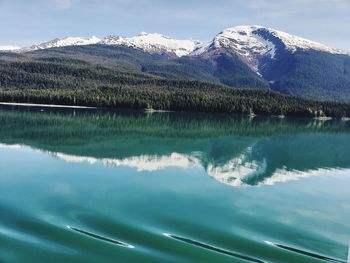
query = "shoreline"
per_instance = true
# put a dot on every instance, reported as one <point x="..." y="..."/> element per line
<point x="46" y="105"/>
<point x="150" y="111"/>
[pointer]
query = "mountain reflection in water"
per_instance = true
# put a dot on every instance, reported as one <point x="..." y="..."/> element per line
<point x="233" y="150"/>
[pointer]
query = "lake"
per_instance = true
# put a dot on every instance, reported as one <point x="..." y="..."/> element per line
<point x="99" y="186"/>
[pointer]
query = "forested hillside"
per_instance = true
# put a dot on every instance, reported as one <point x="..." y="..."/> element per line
<point x="76" y="82"/>
<point x="311" y="74"/>
<point x="223" y="69"/>
<point x="246" y="56"/>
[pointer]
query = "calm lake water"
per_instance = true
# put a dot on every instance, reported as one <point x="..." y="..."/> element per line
<point x="93" y="186"/>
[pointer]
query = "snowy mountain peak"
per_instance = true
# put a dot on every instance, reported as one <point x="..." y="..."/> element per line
<point x="154" y="43"/>
<point x="63" y="42"/>
<point x="251" y="42"/>
<point x="261" y="39"/>
<point x="245" y="40"/>
<point x="9" y="48"/>
<point x="255" y="42"/>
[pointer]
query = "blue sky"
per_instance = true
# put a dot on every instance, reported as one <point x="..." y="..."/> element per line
<point x="25" y="22"/>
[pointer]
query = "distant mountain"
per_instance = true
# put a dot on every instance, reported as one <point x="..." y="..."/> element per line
<point x="256" y="44"/>
<point x="252" y="43"/>
<point x="290" y="64"/>
<point x="242" y="56"/>
<point x="63" y="42"/>
<point x="155" y="43"/>
<point x="124" y="58"/>
<point x="9" y="48"/>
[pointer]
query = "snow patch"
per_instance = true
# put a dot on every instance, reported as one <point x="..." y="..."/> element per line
<point x="63" y="42"/>
<point x="154" y="43"/>
<point x="9" y="48"/>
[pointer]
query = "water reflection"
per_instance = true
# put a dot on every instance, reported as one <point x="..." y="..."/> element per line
<point x="233" y="150"/>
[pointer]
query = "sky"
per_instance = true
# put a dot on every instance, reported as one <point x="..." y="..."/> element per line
<point x="27" y="22"/>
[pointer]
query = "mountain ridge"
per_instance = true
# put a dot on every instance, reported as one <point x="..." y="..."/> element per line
<point x="9" y="48"/>
<point x="62" y="42"/>
<point x="181" y="47"/>
<point x="154" y="43"/>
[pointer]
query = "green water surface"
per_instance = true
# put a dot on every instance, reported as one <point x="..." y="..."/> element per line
<point x="98" y="186"/>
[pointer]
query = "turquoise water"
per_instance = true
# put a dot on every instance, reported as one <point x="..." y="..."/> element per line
<point x="94" y="186"/>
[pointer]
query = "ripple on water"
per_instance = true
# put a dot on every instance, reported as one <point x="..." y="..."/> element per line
<point x="99" y="237"/>
<point x="212" y="248"/>
<point x="303" y="252"/>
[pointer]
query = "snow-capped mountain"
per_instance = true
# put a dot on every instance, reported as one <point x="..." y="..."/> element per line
<point x="154" y="43"/>
<point x="9" y="48"/>
<point x="253" y="43"/>
<point x="249" y="42"/>
<point x="63" y="42"/>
